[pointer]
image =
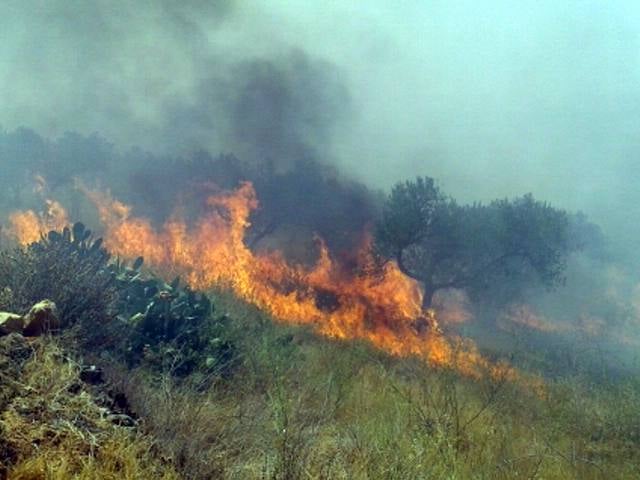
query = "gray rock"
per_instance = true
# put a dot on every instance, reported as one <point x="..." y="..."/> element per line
<point x="11" y="323"/>
<point x="43" y="317"/>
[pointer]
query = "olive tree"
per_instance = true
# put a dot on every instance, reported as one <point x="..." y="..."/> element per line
<point x="443" y="244"/>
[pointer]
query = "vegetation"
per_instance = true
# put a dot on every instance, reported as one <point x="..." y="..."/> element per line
<point x="69" y="268"/>
<point x="300" y="406"/>
<point x="113" y="306"/>
<point x="52" y="428"/>
<point x="217" y="389"/>
<point x="166" y="325"/>
<point x="293" y="406"/>
<point x="306" y="199"/>
<point x="474" y="247"/>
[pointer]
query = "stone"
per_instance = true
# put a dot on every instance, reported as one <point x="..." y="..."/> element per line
<point x="11" y="323"/>
<point x="43" y="317"/>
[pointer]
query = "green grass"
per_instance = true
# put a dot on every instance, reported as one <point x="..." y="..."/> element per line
<point x="301" y="406"/>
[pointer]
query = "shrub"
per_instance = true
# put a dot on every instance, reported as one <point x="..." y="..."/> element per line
<point x="169" y="326"/>
<point x="115" y="306"/>
<point x="69" y="268"/>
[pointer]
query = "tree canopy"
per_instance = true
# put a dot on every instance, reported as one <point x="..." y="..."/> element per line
<point x="446" y="245"/>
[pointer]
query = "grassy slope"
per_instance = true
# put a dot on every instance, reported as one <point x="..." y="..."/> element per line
<point x="300" y="406"/>
<point x="53" y="429"/>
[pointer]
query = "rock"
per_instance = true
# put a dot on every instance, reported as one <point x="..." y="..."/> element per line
<point x="42" y="317"/>
<point x="92" y="375"/>
<point x="10" y="323"/>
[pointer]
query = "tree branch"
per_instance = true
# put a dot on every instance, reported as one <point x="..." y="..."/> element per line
<point x="465" y="281"/>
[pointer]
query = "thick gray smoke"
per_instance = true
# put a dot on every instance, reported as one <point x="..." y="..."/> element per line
<point x="169" y="76"/>
<point x="492" y="99"/>
<point x="282" y="109"/>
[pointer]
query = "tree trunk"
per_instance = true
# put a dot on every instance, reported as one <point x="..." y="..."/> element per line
<point x="427" y="299"/>
<point x="427" y="286"/>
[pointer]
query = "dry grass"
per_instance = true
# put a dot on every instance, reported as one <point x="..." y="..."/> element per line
<point x="305" y="407"/>
<point x="302" y="407"/>
<point x="55" y="430"/>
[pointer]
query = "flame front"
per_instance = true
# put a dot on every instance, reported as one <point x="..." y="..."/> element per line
<point x="28" y="226"/>
<point x="384" y="308"/>
<point x="381" y="305"/>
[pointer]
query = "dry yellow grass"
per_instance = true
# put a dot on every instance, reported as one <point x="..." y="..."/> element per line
<point x="54" y="429"/>
<point x="299" y="406"/>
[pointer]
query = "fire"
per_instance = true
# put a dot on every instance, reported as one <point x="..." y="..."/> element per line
<point x="371" y="302"/>
<point x="29" y="227"/>
<point x="382" y="307"/>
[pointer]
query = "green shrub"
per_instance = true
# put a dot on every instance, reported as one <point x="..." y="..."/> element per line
<point x="69" y="268"/>
<point x="116" y="307"/>
<point x="168" y="326"/>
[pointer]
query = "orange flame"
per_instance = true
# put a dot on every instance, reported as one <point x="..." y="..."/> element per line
<point x="383" y="308"/>
<point x="28" y="227"/>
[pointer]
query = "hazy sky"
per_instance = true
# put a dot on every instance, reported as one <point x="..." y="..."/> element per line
<point x="492" y="98"/>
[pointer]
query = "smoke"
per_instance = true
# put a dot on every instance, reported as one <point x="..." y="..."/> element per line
<point x="491" y="99"/>
<point x="282" y="109"/>
<point x="168" y="76"/>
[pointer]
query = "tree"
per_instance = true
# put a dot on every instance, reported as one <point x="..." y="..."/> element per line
<point x="445" y="245"/>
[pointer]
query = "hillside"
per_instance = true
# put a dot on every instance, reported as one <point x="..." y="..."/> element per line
<point x="213" y="388"/>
